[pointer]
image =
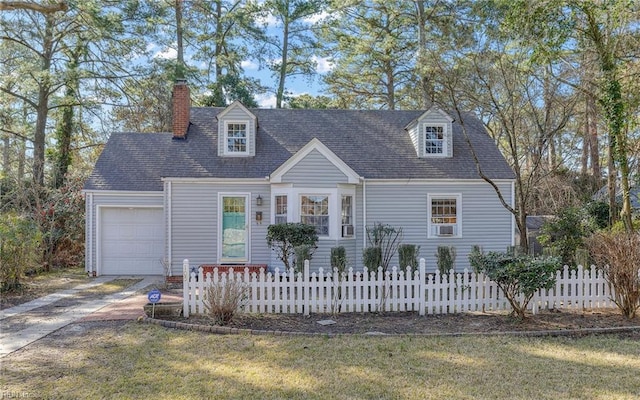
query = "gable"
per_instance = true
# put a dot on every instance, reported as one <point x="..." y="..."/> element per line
<point x="237" y="128"/>
<point x="432" y="134"/>
<point x="314" y="159"/>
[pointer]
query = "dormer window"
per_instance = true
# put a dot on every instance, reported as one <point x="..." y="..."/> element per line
<point x="432" y="134"/>
<point x="237" y="128"/>
<point x="236" y="138"/>
<point x="434" y="139"/>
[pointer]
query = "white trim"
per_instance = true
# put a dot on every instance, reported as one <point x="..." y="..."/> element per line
<point x="411" y="181"/>
<point x="459" y="214"/>
<point x="248" y="224"/>
<point x="315" y="144"/>
<point x="236" y="104"/>
<point x="158" y="193"/>
<point x="225" y="137"/>
<point x="364" y="213"/>
<point x="446" y="132"/>
<point x="239" y="181"/>
<point x="99" y="208"/>
<point x="513" y="217"/>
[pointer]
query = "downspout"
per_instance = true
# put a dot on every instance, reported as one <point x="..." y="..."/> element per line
<point x="364" y="213"/>
<point x="513" y="217"/>
<point x="89" y="230"/>
<point x="169" y="220"/>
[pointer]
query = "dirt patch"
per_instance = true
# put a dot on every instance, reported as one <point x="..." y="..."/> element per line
<point x="43" y="284"/>
<point x="412" y="323"/>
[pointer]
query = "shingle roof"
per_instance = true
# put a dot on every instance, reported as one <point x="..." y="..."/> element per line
<point x="373" y="143"/>
<point x="131" y="161"/>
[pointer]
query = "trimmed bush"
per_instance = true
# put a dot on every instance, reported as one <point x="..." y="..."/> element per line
<point x="408" y="255"/>
<point x="372" y="258"/>
<point x="446" y="259"/>
<point x="284" y="238"/>
<point x="339" y="259"/>
<point x="519" y="276"/>
<point x="302" y="252"/>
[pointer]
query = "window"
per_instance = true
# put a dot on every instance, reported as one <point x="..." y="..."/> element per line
<point x="444" y="216"/>
<point x="281" y="209"/>
<point x="236" y="138"/>
<point x="314" y="210"/>
<point x="434" y="140"/>
<point x="347" y="216"/>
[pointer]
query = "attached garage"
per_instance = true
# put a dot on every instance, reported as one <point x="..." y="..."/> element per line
<point x="131" y="241"/>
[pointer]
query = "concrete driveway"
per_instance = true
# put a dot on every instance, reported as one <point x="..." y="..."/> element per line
<point x="28" y="322"/>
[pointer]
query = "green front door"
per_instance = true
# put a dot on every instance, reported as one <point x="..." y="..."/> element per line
<point x="234" y="229"/>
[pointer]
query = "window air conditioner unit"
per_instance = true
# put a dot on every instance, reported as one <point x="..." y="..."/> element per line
<point x="347" y="230"/>
<point x="445" y="230"/>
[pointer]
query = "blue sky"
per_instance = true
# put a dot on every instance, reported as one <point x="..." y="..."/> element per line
<point x="295" y="85"/>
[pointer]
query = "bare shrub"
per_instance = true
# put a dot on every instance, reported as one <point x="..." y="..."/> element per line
<point x="224" y="298"/>
<point x="618" y="254"/>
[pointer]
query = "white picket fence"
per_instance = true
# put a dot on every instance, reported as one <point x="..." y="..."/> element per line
<point x="395" y="290"/>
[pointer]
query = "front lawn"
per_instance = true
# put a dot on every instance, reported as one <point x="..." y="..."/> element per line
<point x="133" y="360"/>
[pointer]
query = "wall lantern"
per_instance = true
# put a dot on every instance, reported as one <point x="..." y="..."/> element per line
<point x="259" y="217"/>
<point x="259" y="201"/>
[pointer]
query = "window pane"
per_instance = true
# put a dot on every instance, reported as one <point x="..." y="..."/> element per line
<point x="236" y="138"/>
<point x="434" y="140"/>
<point x="347" y="210"/>
<point x="281" y="209"/>
<point x="443" y="211"/>
<point x="314" y="210"/>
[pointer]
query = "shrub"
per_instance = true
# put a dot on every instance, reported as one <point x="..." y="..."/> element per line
<point x="518" y="276"/>
<point x="387" y="239"/>
<point x="446" y="259"/>
<point x="224" y="299"/>
<point x="618" y="254"/>
<point x="19" y="243"/>
<point x="302" y="252"/>
<point x="372" y="258"/>
<point x="339" y="259"/>
<point x="284" y="238"/>
<point x="567" y="232"/>
<point x="408" y="255"/>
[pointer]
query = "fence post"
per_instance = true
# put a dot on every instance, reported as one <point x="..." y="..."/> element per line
<point x="305" y="288"/>
<point x="420" y="286"/>
<point x="185" y="288"/>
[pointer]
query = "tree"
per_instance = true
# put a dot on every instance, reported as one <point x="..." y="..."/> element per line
<point x="372" y="46"/>
<point x="292" y="51"/>
<point x="285" y="238"/>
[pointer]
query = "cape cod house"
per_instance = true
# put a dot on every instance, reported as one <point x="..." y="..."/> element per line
<point x="208" y="190"/>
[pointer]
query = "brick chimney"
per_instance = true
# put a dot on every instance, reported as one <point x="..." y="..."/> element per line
<point x="181" y="106"/>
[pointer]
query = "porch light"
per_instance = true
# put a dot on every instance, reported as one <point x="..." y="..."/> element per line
<point x="259" y="201"/>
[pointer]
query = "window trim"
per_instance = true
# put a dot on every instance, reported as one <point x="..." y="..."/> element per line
<point x="445" y="137"/>
<point x="335" y="206"/>
<point x="457" y="225"/>
<point x="225" y="149"/>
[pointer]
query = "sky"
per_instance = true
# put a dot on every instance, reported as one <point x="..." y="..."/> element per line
<point x="294" y="85"/>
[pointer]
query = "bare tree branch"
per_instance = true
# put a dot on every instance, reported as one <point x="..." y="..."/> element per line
<point x="27" y="5"/>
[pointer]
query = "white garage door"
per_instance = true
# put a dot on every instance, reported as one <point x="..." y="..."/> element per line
<point x="132" y="241"/>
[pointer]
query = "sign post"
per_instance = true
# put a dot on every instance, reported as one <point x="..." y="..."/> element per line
<point x="154" y="297"/>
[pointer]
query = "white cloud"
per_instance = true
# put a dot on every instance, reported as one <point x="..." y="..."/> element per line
<point x="268" y="21"/>
<point x="167" y="53"/>
<point x="315" y="18"/>
<point x="323" y="64"/>
<point x="248" y="64"/>
<point x="266" y="101"/>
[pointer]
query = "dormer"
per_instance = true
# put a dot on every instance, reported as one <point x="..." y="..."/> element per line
<point x="237" y="128"/>
<point x="432" y="134"/>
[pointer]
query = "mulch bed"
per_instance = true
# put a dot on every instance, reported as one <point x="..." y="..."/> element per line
<point x="412" y="323"/>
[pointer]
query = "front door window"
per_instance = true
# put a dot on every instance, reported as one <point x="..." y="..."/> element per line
<point x="234" y="228"/>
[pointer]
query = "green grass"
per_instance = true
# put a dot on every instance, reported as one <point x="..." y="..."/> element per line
<point x="145" y="361"/>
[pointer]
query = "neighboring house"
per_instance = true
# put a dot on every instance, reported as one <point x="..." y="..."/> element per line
<point x="209" y="190"/>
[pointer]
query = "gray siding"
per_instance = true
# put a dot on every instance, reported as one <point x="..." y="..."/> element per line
<point x="237" y="114"/>
<point x="484" y="221"/>
<point x="119" y="200"/>
<point x="194" y="222"/>
<point x="314" y="169"/>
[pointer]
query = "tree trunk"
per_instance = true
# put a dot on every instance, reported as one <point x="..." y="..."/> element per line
<point x="592" y="111"/>
<point x="283" y="66"/>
